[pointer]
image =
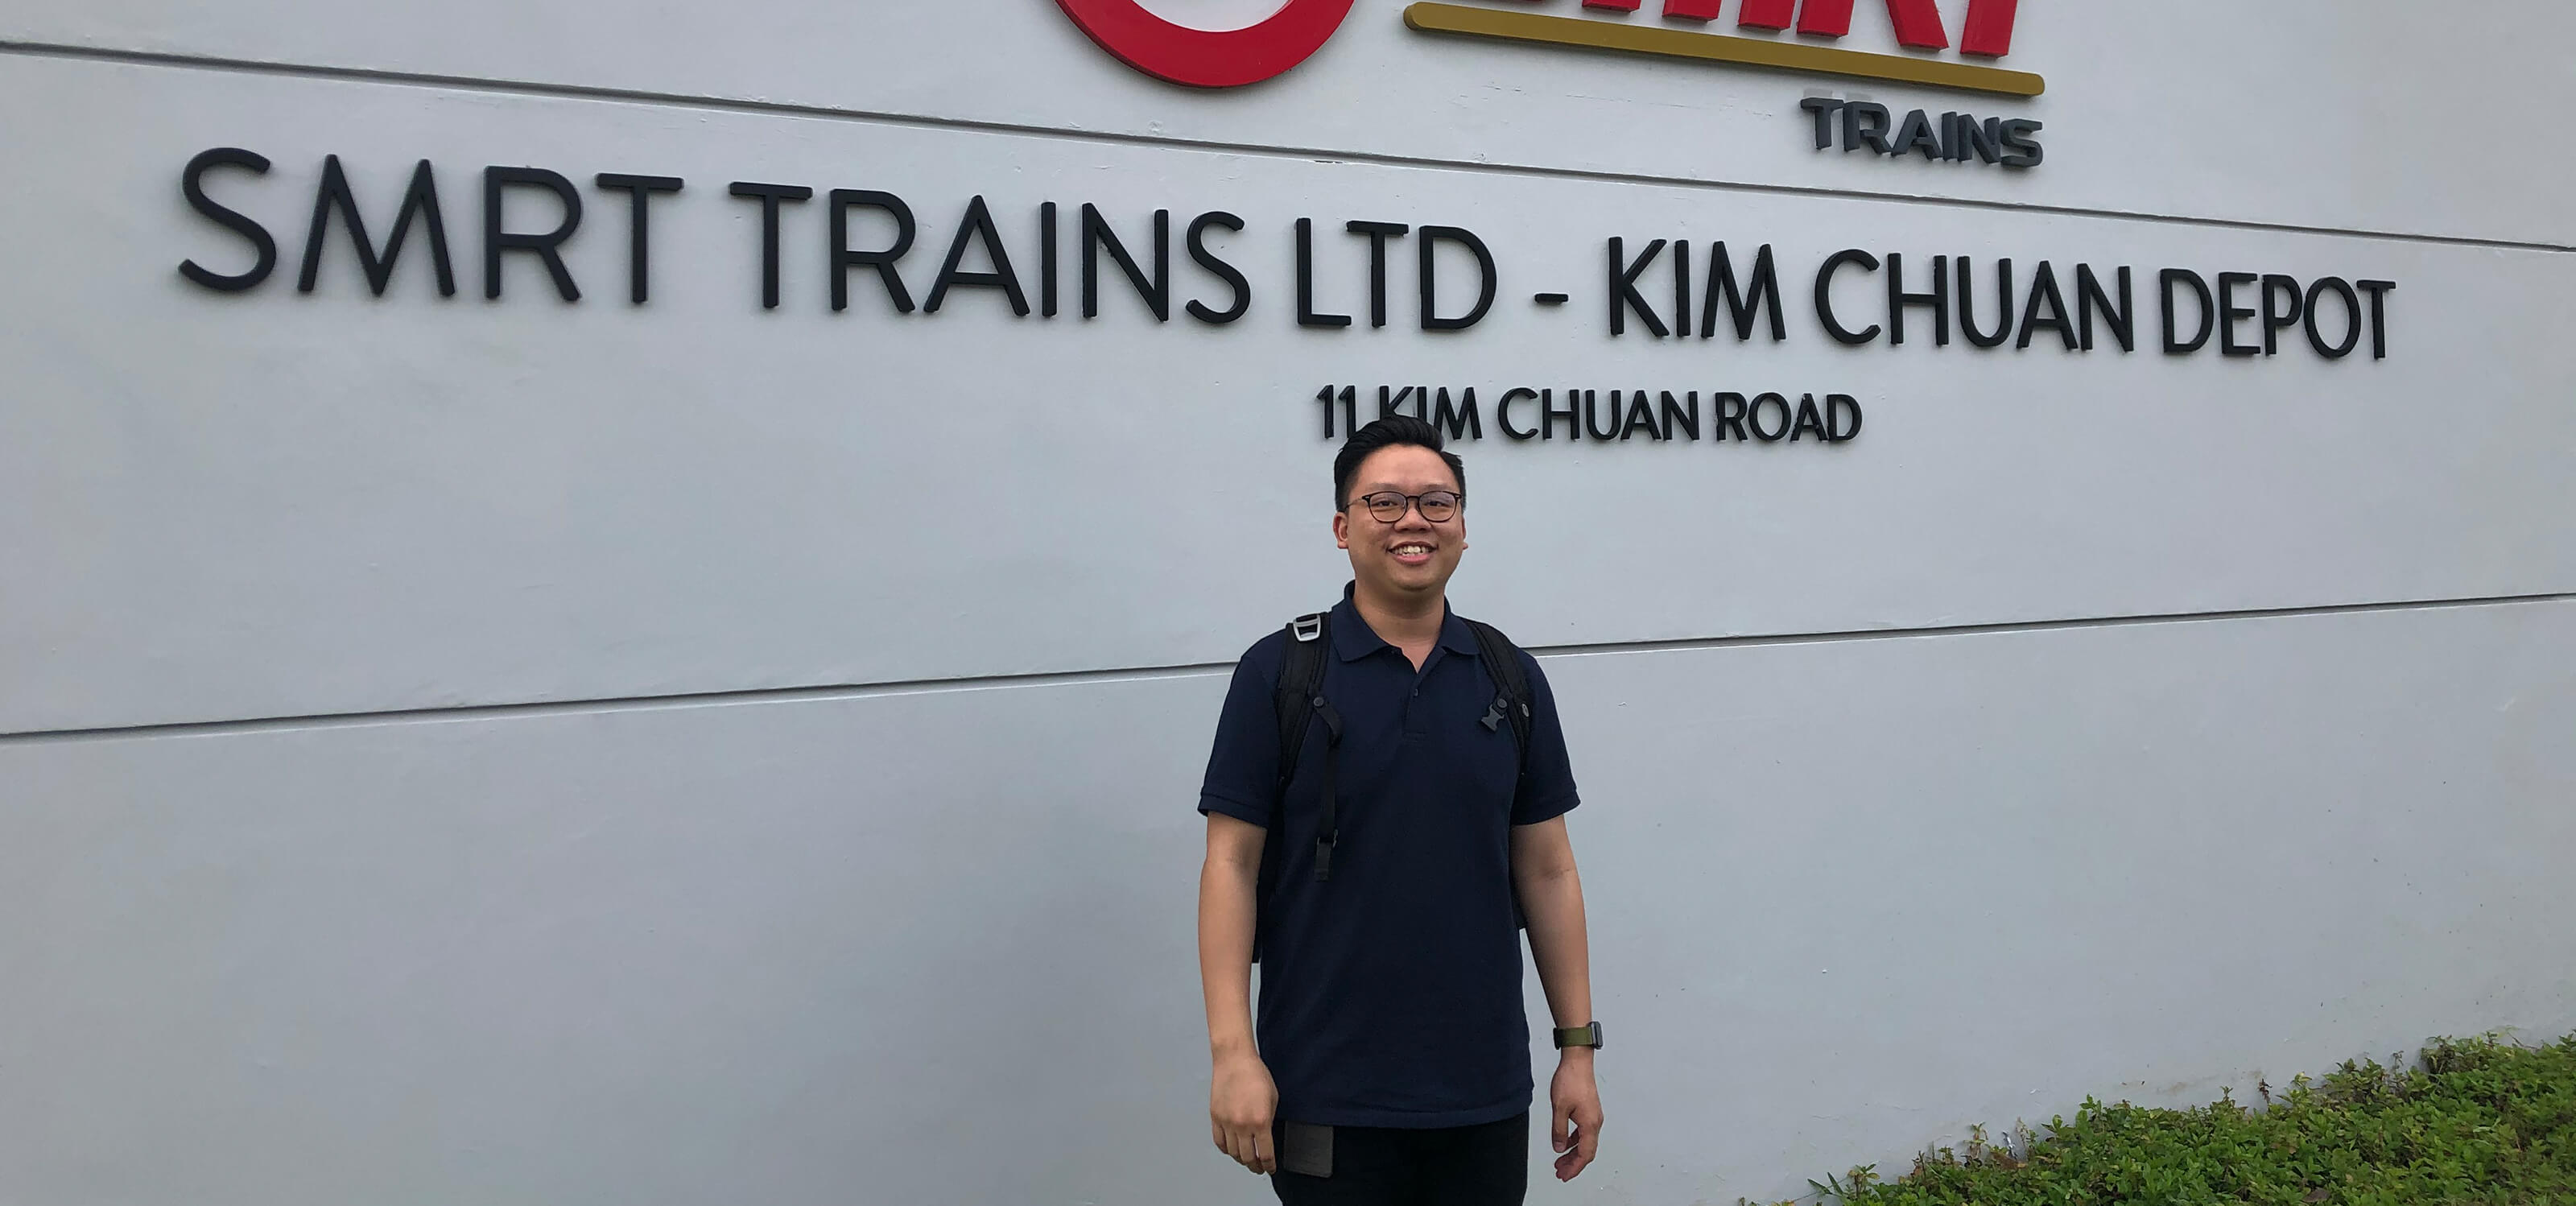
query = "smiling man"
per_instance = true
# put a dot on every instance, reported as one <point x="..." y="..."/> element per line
<point x="1386" y="796"/>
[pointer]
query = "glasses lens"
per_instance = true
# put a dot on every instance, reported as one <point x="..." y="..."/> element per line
<point x="1438" y="506"/>
<point x="1386" y="508"/>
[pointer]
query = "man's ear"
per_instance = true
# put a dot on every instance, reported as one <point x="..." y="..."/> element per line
<point x="1341" y="529"/>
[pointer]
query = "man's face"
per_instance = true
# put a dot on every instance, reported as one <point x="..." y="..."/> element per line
<point x="1411" y="557"/>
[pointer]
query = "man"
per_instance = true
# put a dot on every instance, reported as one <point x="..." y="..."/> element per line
<point x="1392" y="1062"/>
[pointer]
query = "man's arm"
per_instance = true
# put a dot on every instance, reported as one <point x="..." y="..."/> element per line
<point x="1551" y="896"/>
<point x="1241" y="1096"/>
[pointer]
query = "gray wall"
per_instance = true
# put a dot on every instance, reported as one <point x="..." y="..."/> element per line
<point x="507" y="751"/>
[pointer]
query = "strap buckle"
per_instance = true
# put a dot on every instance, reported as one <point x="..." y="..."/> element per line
<point x="1307" y="628"/>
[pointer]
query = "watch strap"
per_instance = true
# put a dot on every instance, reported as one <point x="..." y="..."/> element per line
<point x="1588" y="1035"/>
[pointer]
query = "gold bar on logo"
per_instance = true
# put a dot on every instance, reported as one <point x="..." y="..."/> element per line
<point x="1431" y="17"/>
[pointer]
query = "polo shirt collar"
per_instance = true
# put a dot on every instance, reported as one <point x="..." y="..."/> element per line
<point x="1353" y="639"/>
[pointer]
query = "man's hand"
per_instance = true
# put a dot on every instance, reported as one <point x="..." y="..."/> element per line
<point x="1578" y="1101"/>
<point x="1242" y="1100"/>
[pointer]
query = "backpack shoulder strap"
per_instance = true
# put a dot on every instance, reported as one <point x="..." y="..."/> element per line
<point x="1301" y="683"/>
<point x="1502" y="661"/>
<point x="1301" y="673"/>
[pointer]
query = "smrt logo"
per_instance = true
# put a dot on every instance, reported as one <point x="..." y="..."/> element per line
<point x="1209" y="58"/>
<point x="1791" y="35"/>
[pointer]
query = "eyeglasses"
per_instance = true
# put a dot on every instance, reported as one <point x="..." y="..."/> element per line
<point x="1388" y="506"/>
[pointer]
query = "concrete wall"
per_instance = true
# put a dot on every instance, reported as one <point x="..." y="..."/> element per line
<point x="526" y="752"/>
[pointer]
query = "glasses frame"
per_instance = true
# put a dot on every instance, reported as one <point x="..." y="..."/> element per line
<point x="1412" y="505"/>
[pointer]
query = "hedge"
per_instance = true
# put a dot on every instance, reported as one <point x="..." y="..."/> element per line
<point x="2472" y="1121"/>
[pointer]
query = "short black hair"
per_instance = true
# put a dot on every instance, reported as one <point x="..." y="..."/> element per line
<point x="1393" y="431"/>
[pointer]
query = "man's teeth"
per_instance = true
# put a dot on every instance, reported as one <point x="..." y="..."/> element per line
<point x="1413" y="550"/>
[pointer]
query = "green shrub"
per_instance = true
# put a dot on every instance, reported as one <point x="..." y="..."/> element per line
<point x="2474" y="1121"/>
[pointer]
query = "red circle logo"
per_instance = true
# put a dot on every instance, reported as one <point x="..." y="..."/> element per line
<point x="1204" y="58"/>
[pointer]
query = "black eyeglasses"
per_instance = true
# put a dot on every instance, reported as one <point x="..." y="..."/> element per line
<point x="1388" y="506"/>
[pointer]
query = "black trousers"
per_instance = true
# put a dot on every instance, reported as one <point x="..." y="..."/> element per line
<point x="1484" y="1165"/>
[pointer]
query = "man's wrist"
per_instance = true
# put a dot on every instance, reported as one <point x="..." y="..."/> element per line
<point x="1231" y="1047"/>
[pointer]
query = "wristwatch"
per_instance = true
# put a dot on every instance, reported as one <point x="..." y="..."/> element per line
<point x="1579" y="1036"/>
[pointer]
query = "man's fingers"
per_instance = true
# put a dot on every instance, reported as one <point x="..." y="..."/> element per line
<point x="1250" y="1146"/>
<point x="1267" y="1151"/>
<point x="1556" y="1131"/>
<point x="1578" y="1154"/>
<point x="1238" y="1144"/>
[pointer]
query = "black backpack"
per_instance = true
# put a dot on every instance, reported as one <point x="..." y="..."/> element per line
<point x="1299" y="702"/>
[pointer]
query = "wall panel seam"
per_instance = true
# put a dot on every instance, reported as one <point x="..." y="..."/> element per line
<point x="558" y="91"/>
<point x="936" y="686"/>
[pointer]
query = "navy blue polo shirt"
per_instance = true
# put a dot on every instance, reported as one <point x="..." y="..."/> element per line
<point x="1391" y="994"/>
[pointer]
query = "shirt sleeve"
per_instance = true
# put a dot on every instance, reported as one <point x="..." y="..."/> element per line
<point x="1243" y="764"/>
<point x="1547" y="782"/>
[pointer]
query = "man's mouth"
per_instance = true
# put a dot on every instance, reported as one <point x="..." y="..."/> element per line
<point x="1411" y="552"/>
